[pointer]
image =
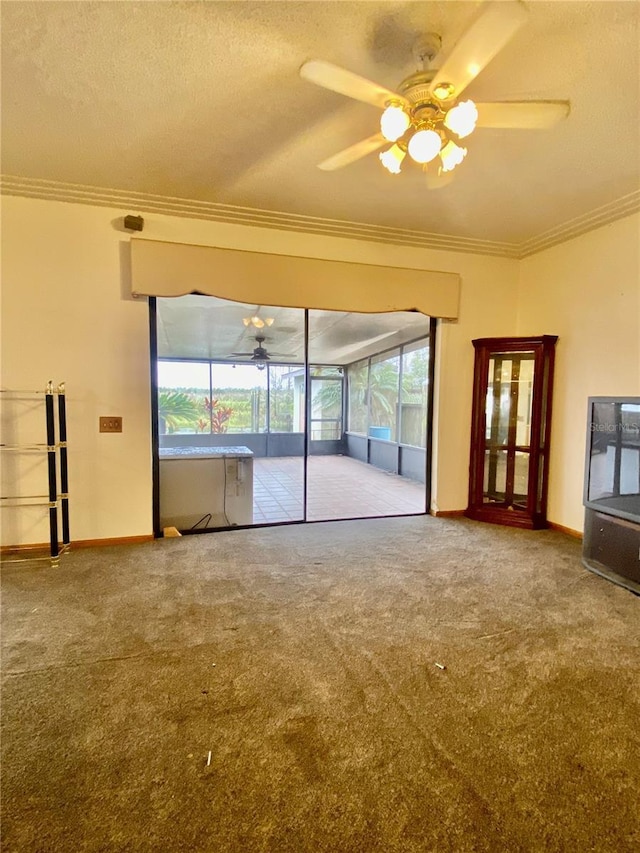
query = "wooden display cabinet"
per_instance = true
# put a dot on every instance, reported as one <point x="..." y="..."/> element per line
<point x="511" y="420"/>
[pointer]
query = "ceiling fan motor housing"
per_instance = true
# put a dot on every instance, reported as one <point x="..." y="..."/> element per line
<point x="260" y="353"/>
<point x="415" y="89"/>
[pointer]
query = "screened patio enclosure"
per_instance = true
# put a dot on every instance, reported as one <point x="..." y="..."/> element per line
<point x="266" y="414"/>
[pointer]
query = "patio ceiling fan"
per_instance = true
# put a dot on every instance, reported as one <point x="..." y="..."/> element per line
<point x="259" y="355"/>
<point x="425" y="117"/>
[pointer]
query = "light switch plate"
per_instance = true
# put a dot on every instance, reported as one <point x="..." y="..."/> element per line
<point x="110" y="424"/>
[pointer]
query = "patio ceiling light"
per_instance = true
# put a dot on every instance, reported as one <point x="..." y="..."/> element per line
<point x="257" y="322"/>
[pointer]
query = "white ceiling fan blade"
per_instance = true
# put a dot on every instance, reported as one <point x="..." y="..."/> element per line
<point x="353" y="153"/>
<point x="530" y="115"/>
<point x="494" y="26"/>
<point x="337" y="79"/>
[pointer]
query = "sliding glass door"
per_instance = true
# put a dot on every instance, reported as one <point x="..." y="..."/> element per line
<point x="239" y="441"/>
<point x="367" y="417"/>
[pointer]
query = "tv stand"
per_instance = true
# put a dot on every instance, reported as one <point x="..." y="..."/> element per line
<point x="611" y="544"/>
<point x="611" y="548"/>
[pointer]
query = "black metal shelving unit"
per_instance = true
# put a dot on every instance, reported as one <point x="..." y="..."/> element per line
<point x="56" y="500"/>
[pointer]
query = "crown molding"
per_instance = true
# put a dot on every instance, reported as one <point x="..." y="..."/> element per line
<point x="232" y="214"/>
<point x="145" y="202"/>
<point x="626" y="205"/>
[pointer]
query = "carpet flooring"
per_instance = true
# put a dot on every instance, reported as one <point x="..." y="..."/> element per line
<point x="278" y="689"/>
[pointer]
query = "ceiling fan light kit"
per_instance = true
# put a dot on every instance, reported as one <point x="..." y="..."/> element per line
<point x="452" y="155"/>
<point x="425" y="113"/>
<point x="422" y="133"/>
<point x="392" y="159"/>
<point x="424" y="145"/>
<point x="394" y="122"/>
<point x="257" y="322"/>
<point x="462" y="119"/>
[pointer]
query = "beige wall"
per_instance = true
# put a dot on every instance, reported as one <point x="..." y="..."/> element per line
<point x="64" y="318"/>
<point x="587" y="292"/>
<point x="488" y="308"/>
<point x="66" y="315"/>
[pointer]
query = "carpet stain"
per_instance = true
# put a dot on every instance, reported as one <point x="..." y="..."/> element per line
<point x="302" y="738"/>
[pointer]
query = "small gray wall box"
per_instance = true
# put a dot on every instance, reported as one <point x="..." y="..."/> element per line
<point x="133" y="223"/>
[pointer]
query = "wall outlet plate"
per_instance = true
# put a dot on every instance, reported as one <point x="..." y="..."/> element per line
<point x="110" y="424"/>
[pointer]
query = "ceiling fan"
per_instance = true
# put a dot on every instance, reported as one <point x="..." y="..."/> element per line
<point x="259" y="356"/>
<point x="425" y="116"/>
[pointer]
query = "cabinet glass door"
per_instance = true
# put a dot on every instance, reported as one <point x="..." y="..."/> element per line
<point x="508" y="429"/>
<point x="511" y="418"/>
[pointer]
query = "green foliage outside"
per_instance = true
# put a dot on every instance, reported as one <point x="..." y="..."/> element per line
<point x="177" y="411"/>
<point x="383" y="393"/>
<point x="373" y="395"/>
<point x="281" y="410"/>
<point x="188" y="410"/>
<point x="373" y="401"/>
<point x="415" y="379"/>
<point x="233" y="410"/>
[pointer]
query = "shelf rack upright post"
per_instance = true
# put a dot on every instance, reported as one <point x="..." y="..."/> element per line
<point x="57" y="460"/>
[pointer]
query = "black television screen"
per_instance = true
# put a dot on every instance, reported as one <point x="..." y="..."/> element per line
<point x="612" y="476"/>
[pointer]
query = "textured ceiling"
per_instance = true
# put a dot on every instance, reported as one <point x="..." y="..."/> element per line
<point x="205" y="327"/>
<point x="203" y="101"/>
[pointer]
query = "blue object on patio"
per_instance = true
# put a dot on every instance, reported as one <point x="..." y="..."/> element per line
<point x="380" y="432"/>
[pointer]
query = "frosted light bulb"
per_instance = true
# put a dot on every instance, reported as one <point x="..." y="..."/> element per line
<point x="392" y="158"/>
<point x="462" y="119"/>
<point x="393" y="122"/>
<point x="424" y="146"/>
<point x="452" y="155"/>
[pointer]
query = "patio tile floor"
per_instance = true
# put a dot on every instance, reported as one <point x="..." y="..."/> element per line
<point x="338" y="487"/>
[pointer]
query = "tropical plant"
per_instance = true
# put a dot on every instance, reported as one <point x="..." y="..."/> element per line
<point x="220" y="415"/>
<point x="373" y="393"/>
<point x="415" y="366"/>
<point x="383" y="390"/>
<point x="176" y="410"/>
<point x="281" y="399"/>
<point x="327" y="400"/>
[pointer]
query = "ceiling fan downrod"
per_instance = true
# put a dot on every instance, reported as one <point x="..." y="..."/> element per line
<point x="425" y="50"/>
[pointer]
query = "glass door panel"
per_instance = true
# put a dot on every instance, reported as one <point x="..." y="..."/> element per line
<point x="231" y="413"/>
<point x="367" y="414"/>
<point x="525" y="402"/>
<point x="495" y="475"/>
<point x="414" y="394"/>
<point x="326" y="403"/>
<point x="511" y="417"/>
<point x="521" y="478"/>
<point x="279" y="484"/>
<point x="508" y="411"/>
<point x="184" y="389"/>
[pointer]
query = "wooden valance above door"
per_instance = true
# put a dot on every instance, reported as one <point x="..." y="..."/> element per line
<point x="259" y="278"/>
